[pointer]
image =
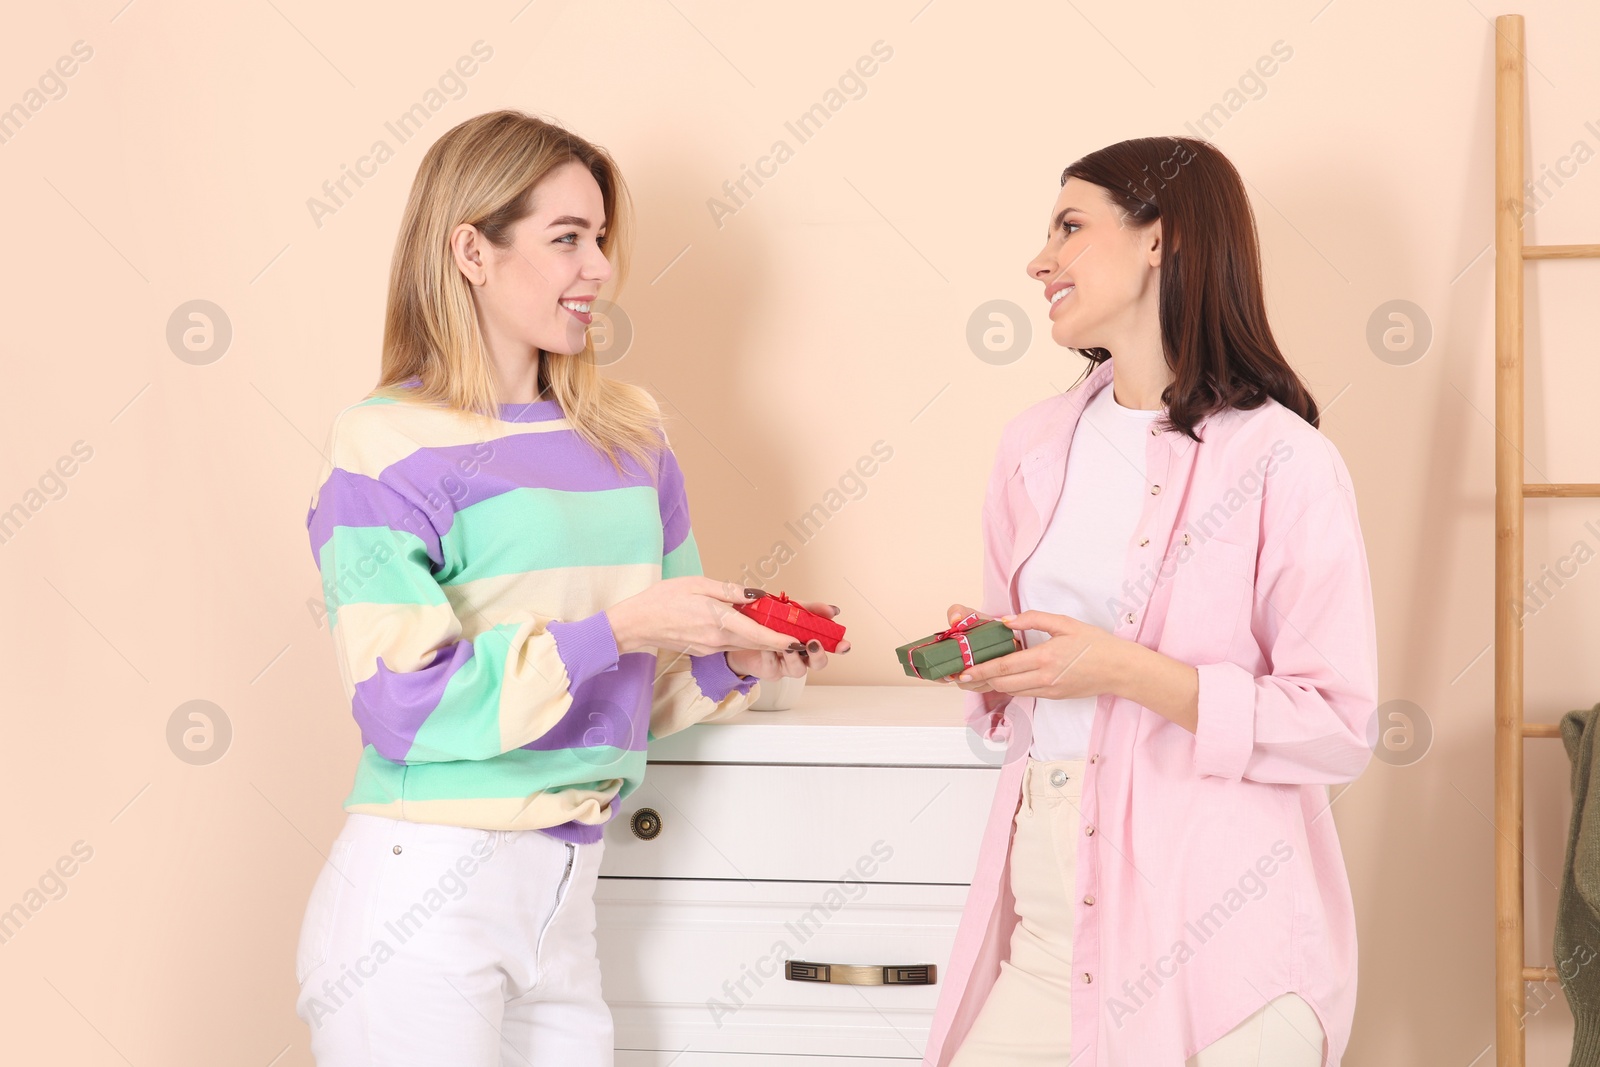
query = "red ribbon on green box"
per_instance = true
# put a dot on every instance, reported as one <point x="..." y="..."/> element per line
<point x="958" y="633"/>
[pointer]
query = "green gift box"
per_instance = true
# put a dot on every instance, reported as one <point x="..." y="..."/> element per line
<point x="940" y="659"/>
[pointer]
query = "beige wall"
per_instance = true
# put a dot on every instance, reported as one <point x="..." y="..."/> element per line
<point x="826" y="313"/>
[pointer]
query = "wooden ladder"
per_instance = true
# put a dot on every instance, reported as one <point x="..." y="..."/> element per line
<point x="1510" y="496"/>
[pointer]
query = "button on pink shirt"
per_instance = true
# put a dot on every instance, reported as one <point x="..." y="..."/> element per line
<point x="1211" y="859"/>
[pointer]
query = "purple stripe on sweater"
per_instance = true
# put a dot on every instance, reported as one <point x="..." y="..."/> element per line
<point x="587" y="646"/>
<point x="611" y="708"/>
<point x="579" y="833"/>
<point x="534" y="411"/>
<point x="348" y="499"/>
<point x="674" y="504"/>
<point x="445" y="480"/>
<point x="391" y="706"/>
<point x="716" y="678"/>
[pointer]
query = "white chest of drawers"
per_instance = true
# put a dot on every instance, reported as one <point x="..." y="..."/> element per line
<point x="784" y="888"/>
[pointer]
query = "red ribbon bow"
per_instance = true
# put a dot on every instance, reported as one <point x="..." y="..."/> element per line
<point x="783" y="598"/>
<point x="957" y="632"/>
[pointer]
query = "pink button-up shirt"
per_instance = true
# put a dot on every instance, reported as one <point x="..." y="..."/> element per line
<point x="1209" y="874"/>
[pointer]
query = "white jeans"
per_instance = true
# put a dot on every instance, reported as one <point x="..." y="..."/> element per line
<point x="426" y="944"/>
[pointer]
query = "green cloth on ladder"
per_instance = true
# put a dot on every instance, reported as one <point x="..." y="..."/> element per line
<point x="1577" y="939"/>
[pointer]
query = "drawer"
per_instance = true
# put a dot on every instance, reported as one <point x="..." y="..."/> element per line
<point x="698" y="967"/>
<point x="763" y="821"/>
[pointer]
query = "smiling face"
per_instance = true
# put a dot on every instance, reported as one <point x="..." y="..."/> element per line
<point x="1099" y="272"/>
<point x="536" y="294"/>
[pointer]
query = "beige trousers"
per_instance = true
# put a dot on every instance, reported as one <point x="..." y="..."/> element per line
<point x="1026" y="1020"/>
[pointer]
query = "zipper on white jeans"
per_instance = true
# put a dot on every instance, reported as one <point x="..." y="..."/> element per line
<point x="560" y="887"/>
<point x="561" y="890"/>
<point x="572" y="852"/>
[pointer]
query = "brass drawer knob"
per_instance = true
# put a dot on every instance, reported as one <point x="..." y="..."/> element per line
<point x="860" y="973"/>
<point x="645" y="824"/>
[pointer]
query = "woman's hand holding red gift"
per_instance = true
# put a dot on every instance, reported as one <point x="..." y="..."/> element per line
<point x="788" y="664"/>
<point x="694" y="615"/>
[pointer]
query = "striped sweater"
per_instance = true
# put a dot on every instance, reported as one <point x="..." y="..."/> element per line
<point x="466" y="576"/>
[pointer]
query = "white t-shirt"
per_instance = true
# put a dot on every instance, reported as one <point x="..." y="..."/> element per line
<point x="1077" y="570"/>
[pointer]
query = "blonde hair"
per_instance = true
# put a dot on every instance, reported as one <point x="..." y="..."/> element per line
<point x="483" y="172"/>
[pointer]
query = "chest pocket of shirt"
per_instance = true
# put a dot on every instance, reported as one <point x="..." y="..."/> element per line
<point x="1211" y="591"/>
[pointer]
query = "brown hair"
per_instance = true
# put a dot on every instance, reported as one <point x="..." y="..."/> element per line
<point x="1214" y="329"/>
<point x="483" y="172"/>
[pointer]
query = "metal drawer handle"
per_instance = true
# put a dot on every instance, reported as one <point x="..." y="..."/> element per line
<point x="645" y="824"/>
<point x="860" y="973"/>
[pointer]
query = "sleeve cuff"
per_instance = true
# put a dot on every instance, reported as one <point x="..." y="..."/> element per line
<point x="715" y="678"/>
<point x="983" y="712"/>
<point x="1225" y="730"/>
<point x="586" y="646"/>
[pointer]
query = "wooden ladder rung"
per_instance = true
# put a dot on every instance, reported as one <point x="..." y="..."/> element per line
<point x="1541" y="729"/>
<point x="1539" y="974"/>
<point x="1560" y="251"/>
<point x="1561" y="489"/>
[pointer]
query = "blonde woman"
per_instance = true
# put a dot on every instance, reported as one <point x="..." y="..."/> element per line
<point x="517" y="604"/>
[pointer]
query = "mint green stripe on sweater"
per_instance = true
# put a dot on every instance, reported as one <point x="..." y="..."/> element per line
<point x="531" y="529"/>
<point x="683" y="561"/>
<point x="518" y="773"/>
<point x="377" y="780"/>
<point x="477" y="683"/>
<point x="375" y="565"/>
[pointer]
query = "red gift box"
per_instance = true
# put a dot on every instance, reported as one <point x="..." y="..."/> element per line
<point x="787" y="617"/>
